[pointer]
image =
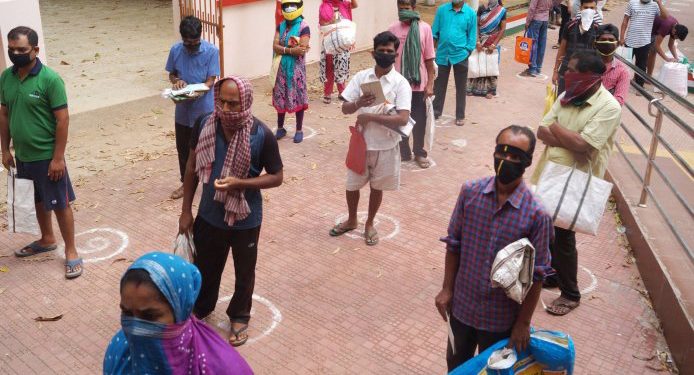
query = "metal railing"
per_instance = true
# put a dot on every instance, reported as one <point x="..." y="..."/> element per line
<point x="658" y="110"/>
<point x="210" y="14"/>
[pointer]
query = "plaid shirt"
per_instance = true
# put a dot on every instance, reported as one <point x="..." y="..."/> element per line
<point x="616" y="80"/>
<point x="477" y="231"/>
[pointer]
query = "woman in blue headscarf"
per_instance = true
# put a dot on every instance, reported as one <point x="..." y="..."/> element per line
<point x="159" y="334"/>
<point x="290" y="94"/>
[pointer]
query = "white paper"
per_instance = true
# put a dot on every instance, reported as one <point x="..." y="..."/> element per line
<point x="406" y="129"/>
<point x="451" y="337"/>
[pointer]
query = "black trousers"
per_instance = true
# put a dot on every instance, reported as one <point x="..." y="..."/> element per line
<point x="565" y="262"/>
<point x="641" y="57"/>
<point x="441" y="86"/>
<point x="418" y="112"/>
<point x="211" y="251"/>
<point x="183" y="134"/>
<point x="467" y="339"/>
<point x="565" y="18"/>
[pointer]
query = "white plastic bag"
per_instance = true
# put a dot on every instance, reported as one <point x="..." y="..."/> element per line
<point x="483" y="64"/>
<point x="184" y="247"/>
<point x="431" y="124"/>
<point x="21" y="208"/>
<point x="626" y="52"/>
<point x="513" y="269"/>
<point x="575" y="199"/>
<point x="674" y="76"/>
<point x="339" y="37"/>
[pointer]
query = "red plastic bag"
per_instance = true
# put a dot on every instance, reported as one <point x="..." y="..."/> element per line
<point x="524" y="47"/>
<point x="356" y="154"/>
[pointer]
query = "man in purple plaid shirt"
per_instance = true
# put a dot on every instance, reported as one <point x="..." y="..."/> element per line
<point x="491" y="213"/>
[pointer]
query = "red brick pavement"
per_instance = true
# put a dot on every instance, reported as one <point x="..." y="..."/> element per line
<point x="343" y="307"/>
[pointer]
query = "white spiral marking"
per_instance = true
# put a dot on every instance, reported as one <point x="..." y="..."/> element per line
<point x="361" y="216"/>
<point x="276" y="317"/>
<point x="411" y="166"/>
<point x="100" y="243"/>
<point x="590" y="288"/>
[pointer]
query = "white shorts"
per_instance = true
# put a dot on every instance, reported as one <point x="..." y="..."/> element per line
<point x="382" y="171"/>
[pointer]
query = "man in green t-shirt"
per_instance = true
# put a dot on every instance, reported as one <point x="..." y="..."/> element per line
<point x="34" y="115"/>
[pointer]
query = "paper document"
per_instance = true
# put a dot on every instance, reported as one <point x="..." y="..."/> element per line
<point x="406" y="130"/>
<point x="451" y="338"/>
<point x="374" y="88"/>
<point x="196" y="87"/>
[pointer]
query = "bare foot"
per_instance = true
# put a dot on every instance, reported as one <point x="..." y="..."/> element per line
<point x="178" y="193"/>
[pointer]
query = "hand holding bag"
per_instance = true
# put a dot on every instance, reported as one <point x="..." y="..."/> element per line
<point x="575" y="199"/>
<point x="21" y="207"/>
<point x="356" y="154"/>
<point x="185" y="247"/>
<point x="483" y="64"/>
<point x="431" y="124"/>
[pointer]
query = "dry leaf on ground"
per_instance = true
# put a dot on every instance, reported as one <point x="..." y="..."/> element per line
<point x="49" y="319"/>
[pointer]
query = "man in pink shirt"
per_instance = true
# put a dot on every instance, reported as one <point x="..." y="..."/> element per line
<point x="416" y="64"/>
<point x="617" y="76"/>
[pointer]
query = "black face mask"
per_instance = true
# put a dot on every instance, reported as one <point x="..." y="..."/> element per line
<point x="384" y="60"/>
<point x="509" y="171"/>
<point x="193" y="48"/>
<point x="21" y="60"/>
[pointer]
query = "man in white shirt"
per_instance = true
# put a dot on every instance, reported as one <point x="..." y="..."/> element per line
<point x="636" y="30"/>
<point x="377" y="124"/>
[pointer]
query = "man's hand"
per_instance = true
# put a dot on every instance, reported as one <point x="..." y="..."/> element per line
<point x="185" y="222"/>
<point x="366" y="100"/>
<point x="363" y="119"/>
<point x="479" y="47"/>
<point x="227" y="183"/>
<point x="443" y="302"/>
<point x="555" y="78"/>
<point x="7" y="160"/>
<point x="621" y="41"/>
<point x="429" y="90"/>
<point x="56" y="169"/>
<point x="491" y="49"/>
<point x="179" y="84"/>
<point x="520" y="336"/>
<point x="672" y="59"/>
<point x="300" y="50"/>
<point x="581" y="157"/>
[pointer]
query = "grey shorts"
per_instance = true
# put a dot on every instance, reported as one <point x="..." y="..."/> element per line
<point x="382" y="171"/>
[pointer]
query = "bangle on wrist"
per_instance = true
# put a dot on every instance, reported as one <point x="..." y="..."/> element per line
<point x="284" y="50"/>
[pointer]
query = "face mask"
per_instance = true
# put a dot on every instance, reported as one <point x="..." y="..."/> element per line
<point x="193" y="48"/>
<point x="384" y="60"/>
<point x="21" y="60"/>
<point x="606" y="48"/>
<point x="143" y="336"/>
<point x="578" y="85"/>
<point x="645" y="1"/>
<point x="291" y="8"/>
<point x="587" y="17"/>
<point x="509" y="171"/>
<point x="408" y="15"/>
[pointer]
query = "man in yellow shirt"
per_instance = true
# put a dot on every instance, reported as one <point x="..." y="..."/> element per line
<point x="580" y="130"/>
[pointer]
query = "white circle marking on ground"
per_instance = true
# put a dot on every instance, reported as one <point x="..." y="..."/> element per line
<point x="309" y="132"/>
<point x="99" y="243"/>
<point x="361" y="217"/>
<point x="276" y="317"/>
<point x="445" y="119"/>
<point x="459" y="142"/>
<point x="590" y="288"/>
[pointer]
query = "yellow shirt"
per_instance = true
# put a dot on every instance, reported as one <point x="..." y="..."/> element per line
<point x="596" y="121"/>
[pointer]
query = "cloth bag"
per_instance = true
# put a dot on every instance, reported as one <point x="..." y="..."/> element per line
<point x="550" y="98"/>
<point x="524" y="47"/>
<point x="184" y="247"/>
<point x="575" y="199"/>
<point x="274" y="68"/>
<point x="483" y="64"/>
<point x="674" y="76"/>
<point x="513" y="268"/>
<point x="21" y="208"/>
<point x="431" y="124"/>
<point x="339" y="37"/>
<point x="356" y="153"/>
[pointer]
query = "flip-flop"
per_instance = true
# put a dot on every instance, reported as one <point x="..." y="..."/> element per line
<point x="339" y="230"/>
<point x="422" y="162"/>
<point x="562" y="306"/>
<point x="371" y="238"/>
<point x="235" y="334"/>
<point x="460" y="122"/>
<point x="33" y="248"/>
<point x="74" y="268"/>
<point x="327" y="99"/>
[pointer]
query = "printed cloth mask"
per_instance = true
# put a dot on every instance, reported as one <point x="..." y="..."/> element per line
<point x="577" y="85"/>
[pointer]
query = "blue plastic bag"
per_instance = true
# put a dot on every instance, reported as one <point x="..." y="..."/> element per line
<point x="549" y="352"/>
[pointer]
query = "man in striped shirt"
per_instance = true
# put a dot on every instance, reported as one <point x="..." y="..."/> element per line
<point x="636" y="30"/>
<point x="491" y="213"/>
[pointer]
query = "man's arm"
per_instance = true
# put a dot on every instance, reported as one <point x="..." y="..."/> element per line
<point x="190" y="184"/>
<point x="673" y="49"/>
<point x="623" y="29"/>
<point x="431" y="72"/>
<point x="569" y="139"/>
<point x="472" y="34"/>
<point x="56" y="168"/>
<point x="664" y="14"/>
<point x="389" y="121"/>
<point x="560" y="57"/>
<point x="546" y="136"/>
<point x="210" y="81"/>
<point x="452" y="264"/>
<point x="7" y="160"/>
<point x="659" y="47"/>
<point x="621" y="90"/>
<point x="265" y="181"/>
<point x="531" y="13"/>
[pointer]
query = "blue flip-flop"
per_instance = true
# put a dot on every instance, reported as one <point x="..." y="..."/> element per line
<point x="71" y="265"/>
<point x="33" y="248"/>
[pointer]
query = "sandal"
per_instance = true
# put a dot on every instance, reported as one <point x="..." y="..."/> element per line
<point x="562" y="306"/>
<point x="460" y="122"/>
<point x="327" y="99"/>
<point x="234" y="338"/>
<point x="339" y="230"/>
<point x="73" y="268"/>
<point x="422" y="162"/>
<point x="34" y="248"/>
<point x="371" y="237"/>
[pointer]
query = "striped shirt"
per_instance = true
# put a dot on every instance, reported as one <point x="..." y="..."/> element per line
<point x="616" y="80"/>
<point x="478" y="229"/>
<point x="641" y="17"/>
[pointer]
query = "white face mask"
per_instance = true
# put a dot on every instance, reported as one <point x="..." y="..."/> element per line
<point x="291" y="8"/>
<point x="587" y="16"/>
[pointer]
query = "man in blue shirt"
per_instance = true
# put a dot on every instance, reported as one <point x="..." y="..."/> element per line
<point x="191" y="61"/>
<point x="455" y="35"/>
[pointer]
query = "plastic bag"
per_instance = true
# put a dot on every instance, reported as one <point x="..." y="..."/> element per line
<point x="550" y="98"/>
<point x="483" y="64"/>
<point x="185" y="247"/>
<point x="674" y="76"/>
<point x="524" y="47"/>
<point x="21" y="206"/>
<point x="431" y="124"/>
<point x="356" y="153"/>
<point x="339" y="37"/>
<point x="549" y="352"/>
<point x="575" y="199"/>
<point x="274" y="68"/>
<point x="626" y="52"/>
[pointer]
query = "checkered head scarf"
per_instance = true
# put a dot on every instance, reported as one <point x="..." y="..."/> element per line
<point x="238" y="159"/>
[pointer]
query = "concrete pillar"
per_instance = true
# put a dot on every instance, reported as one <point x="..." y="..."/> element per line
<point x="15" y="13"/>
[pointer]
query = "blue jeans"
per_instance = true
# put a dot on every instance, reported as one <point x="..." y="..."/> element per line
<point x="538" y="32"/>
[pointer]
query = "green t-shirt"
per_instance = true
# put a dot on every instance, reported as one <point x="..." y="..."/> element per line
<point x="30" y="104"/>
